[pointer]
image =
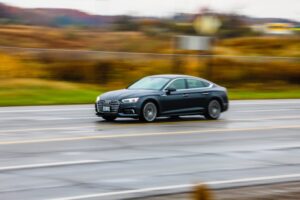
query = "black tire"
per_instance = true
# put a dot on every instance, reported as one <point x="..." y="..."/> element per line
<point x="109" y="118"/>
<point x="149" y="112"/>
<point x="213" y="110"/>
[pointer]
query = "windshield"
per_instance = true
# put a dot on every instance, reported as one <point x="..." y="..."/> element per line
<point x="150" y="83"/>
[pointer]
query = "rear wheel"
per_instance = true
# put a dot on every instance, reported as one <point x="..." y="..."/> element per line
<point x="109" y="118"/>
<point x="149" y="112"/>
<point x="213" y="110"/>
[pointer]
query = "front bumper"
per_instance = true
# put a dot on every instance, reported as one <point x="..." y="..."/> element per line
<point x="118" y="110"/>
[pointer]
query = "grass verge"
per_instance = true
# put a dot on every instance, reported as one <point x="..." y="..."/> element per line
<point x="43" y="92"/>
<point x="283" y="93"/>
<point x="21" y="92"/>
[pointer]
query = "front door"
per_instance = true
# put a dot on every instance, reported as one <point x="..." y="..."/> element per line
<point x="176" y="102"/>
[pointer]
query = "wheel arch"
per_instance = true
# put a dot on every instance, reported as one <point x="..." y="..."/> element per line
<point x="153" y="100"/>
<point x="219" y="100"/>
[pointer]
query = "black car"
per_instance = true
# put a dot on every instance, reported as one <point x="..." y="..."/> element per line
<point x="164" y="95"/>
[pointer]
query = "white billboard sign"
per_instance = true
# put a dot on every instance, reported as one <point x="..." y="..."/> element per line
<point x="194" y="42"/>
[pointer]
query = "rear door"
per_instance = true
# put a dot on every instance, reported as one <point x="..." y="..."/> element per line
<point x="198" y="93"/>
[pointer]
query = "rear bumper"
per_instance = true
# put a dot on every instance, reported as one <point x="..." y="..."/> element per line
<point x="225" y="107"/>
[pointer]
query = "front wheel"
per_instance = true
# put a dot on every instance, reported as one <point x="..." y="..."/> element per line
<point x="109" y="118"/>
<point x="213" y="110"/>
<point x="149" y="112"/>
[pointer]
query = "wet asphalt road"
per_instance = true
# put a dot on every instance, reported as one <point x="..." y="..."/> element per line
<point x="65" y="152"/>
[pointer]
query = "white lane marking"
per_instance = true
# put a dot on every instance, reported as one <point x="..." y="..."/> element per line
<point x="253" y="179"/>
<point x="52" y="118"/>
<point x="91" y="106"/>
<point x="138" y="134"/>
<point x="54" y="164"/>
<point x="37" y="118"/>
<point x="267" y="118"/>
<point x="46" y="129"/>
<point x="162" y="123"/>
<point x="45" y="110"/>
<point x="43" y="118"/>
<point x="173" y="187"/>
<point x="265" y="102"/>
<point x="265" y="110"/>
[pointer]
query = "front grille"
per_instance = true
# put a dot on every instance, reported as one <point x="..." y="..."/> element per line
<point x="113" y="104"/>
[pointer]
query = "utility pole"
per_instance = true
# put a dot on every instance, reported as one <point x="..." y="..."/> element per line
<point x="208" y="24"/>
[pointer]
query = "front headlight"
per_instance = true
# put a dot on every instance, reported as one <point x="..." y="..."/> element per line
<point x="131" y="100"/>
<point x="98" y="98"/>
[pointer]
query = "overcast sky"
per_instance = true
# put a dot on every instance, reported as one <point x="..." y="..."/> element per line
<point x="259" y="8"/>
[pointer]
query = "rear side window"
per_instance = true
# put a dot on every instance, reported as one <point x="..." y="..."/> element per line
<point x="194" y="83"/>
<point x="178" y="84"/>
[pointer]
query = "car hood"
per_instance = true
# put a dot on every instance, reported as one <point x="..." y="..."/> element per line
<point x="125" y="93"/>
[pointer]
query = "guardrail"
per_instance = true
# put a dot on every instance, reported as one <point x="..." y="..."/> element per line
<point x="140" y="54"/>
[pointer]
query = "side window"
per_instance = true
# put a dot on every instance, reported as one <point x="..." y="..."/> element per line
<point x="178" y="84"/>
<point x="194" y="83"/>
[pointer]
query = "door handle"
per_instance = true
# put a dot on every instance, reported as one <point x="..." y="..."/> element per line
<point x="205" y="93"/>
<point x="185" y="95"/>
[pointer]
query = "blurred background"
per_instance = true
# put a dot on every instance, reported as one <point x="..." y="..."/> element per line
<point x="65" y="52"/>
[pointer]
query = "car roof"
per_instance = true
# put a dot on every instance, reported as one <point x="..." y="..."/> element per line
<point x="173" y="76"/>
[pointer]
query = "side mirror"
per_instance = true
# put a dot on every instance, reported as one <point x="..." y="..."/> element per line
<point x="169" y="90"/>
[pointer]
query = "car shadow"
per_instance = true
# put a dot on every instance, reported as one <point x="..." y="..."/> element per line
<point x="159" y="120"/>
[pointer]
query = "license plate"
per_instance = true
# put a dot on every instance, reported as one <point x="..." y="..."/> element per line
<point x="106" y="109"/>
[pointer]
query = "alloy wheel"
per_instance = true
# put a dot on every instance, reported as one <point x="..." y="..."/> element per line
<point x="214" y="110"/>
<point x="149" y="112"/>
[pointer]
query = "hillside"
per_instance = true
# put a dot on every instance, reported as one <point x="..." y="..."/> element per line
<point x="51" y="17"/>
<point x="66" y="17"/>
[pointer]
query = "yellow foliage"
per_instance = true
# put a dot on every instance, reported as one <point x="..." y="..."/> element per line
<point x="9" y="66"/>
<point x="16" y="67"/>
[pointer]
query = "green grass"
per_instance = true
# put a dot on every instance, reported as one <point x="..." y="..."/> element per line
<point x="37" y="92"/>
<point x="20" y="92"/>
<point x="241" y="94"/>
<point x="37" y="96"/>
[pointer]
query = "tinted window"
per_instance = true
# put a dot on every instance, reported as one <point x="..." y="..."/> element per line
<point x="194" y="83"/>
<point x="150" y="83"/>
<point x="178" y="84"/>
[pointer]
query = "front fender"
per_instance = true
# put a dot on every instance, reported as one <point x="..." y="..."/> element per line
<point x="154" y="99"/>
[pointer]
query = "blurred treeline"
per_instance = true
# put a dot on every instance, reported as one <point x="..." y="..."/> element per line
<point x="117" y="70"/>
<point x="113" y="72"/>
